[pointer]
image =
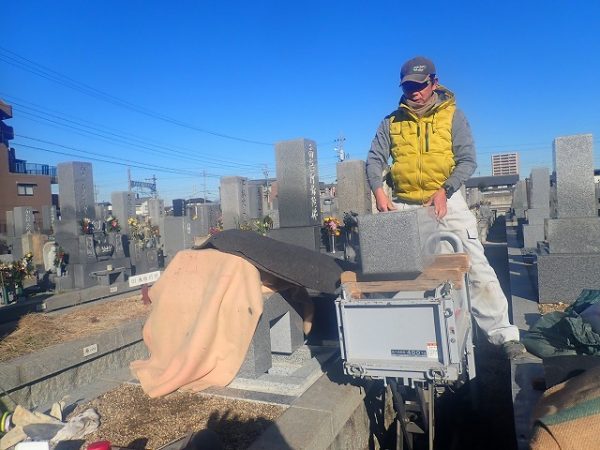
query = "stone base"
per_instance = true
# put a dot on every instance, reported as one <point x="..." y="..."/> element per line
<point x="308" y="237"/>
<point x="536" y="216"/>
<point x="532" y="234"/>
<point x="573" y="235"/>
<point x="562" y="277"/>
<point x="279" y="330"/>
<point x="88" y="275"/>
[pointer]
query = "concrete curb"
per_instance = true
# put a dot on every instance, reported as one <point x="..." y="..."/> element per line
<point x="331" y="414"/>
<point x="43" y="377"/>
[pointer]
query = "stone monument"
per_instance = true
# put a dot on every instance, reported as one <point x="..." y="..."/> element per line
<point x="298" y="194"/>
<point x="123" y="207"/>
<point x="538" y="210"/>
<point x="93" y="255"/>
<point x="570" y="261"/>
<point x="234" y="202"/>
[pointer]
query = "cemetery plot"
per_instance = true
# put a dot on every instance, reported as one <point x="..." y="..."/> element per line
<point x="37" y="331"/>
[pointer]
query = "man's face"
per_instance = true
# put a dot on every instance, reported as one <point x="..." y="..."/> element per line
<point x="419" y="92"/>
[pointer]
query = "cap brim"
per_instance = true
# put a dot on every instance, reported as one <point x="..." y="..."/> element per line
<point x="416" y="78"/>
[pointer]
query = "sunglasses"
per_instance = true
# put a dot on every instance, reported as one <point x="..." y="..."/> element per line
<point x="413" y="86"/>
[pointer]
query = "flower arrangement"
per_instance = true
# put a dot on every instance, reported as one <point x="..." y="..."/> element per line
<point x="87" y="226"/>
<point x="143" y="233"/>
<point x="112" y="224"/>
<point x="332" y="225"/>
<point x="13" y="274"/>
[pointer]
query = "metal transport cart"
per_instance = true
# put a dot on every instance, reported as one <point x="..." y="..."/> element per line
<point x="415" y="335"/>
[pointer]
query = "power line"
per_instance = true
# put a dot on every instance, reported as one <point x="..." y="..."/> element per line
<point x="30" y="66"/>
<point x="121" y="137"/>
<point x="126" y="163"/>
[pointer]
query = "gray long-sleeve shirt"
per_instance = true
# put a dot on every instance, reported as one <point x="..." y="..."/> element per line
<point x="462" y="146"/>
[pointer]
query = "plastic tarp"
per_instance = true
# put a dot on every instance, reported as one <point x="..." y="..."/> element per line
<point x="566" y="333"/>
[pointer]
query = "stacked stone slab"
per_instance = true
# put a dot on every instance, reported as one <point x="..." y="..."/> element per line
<point x="539" y="206"/>
<point x="235" y="202"/>
<point x="571" y="260"/>
<point x="298" y="193"/>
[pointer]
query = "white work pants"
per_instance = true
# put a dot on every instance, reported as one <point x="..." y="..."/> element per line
<point x="489" y="305"/>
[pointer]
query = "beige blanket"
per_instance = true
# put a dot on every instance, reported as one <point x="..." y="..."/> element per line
<point x="205" y="308"/>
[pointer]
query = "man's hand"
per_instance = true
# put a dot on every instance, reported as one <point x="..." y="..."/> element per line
<point x="438" y="200"/>
<point x="383" y="202"/>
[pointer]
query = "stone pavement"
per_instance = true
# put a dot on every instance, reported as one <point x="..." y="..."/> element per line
<point x="526" y="371"/>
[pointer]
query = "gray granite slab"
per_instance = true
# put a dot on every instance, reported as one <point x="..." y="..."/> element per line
<point x="298" y="183"/>
<point x="397" y="242"/>
<point x="573" y="235"/>
<point x="562" y="276"/>
<point x="574" y="171"/>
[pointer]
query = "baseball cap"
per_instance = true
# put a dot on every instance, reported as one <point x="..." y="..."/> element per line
<point x="416" y="69"/>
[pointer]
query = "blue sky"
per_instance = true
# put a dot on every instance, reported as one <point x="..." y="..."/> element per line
<point x="206" y="87"/>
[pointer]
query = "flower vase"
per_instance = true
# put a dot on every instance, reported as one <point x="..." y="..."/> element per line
<point x="332" y="242"/>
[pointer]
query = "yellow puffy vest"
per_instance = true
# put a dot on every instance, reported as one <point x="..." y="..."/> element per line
<point x="421" y="149"/>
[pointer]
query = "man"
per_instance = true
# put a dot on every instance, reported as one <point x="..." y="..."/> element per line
<point x="433" y="154"/>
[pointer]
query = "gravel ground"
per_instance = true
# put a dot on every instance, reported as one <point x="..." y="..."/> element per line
<point x="130" y="419"/>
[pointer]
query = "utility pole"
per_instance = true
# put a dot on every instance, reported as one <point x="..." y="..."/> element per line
<point x="204" y="179"/>
<point x="129" y="179"/>
<point x="339" y="149"/>
<point x="265" y="171"/>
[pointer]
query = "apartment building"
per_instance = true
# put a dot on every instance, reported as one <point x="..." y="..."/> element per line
<point x="505" y="164"/>
<point x="21" y="183"/>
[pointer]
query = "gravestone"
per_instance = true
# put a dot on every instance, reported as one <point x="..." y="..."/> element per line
<point x="234" y="202"/>
<point x="156" y="210"/>
<point x="353" y="192"/>
<point x="298" y="183"/>
<point x="255" y="201"/>
<point x="178" y="233"/>
<point x="49" y="219"/>
<point x="94" y="257"/>
<point x="207" y="216"/>
<point x="538" y="198"/>
<point x="76" y="195"/>
<point x="519" y="202"/>
<point x="34" y="243"/>
<point x="298" y="193"/>
<point x="574" y="170"/>
<point x="570" y="261"/>
<point x="20" y="223"/>
<point x="23" y="220"/>
<point x="123" y="207"/>
<point x="102" y="211"/>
